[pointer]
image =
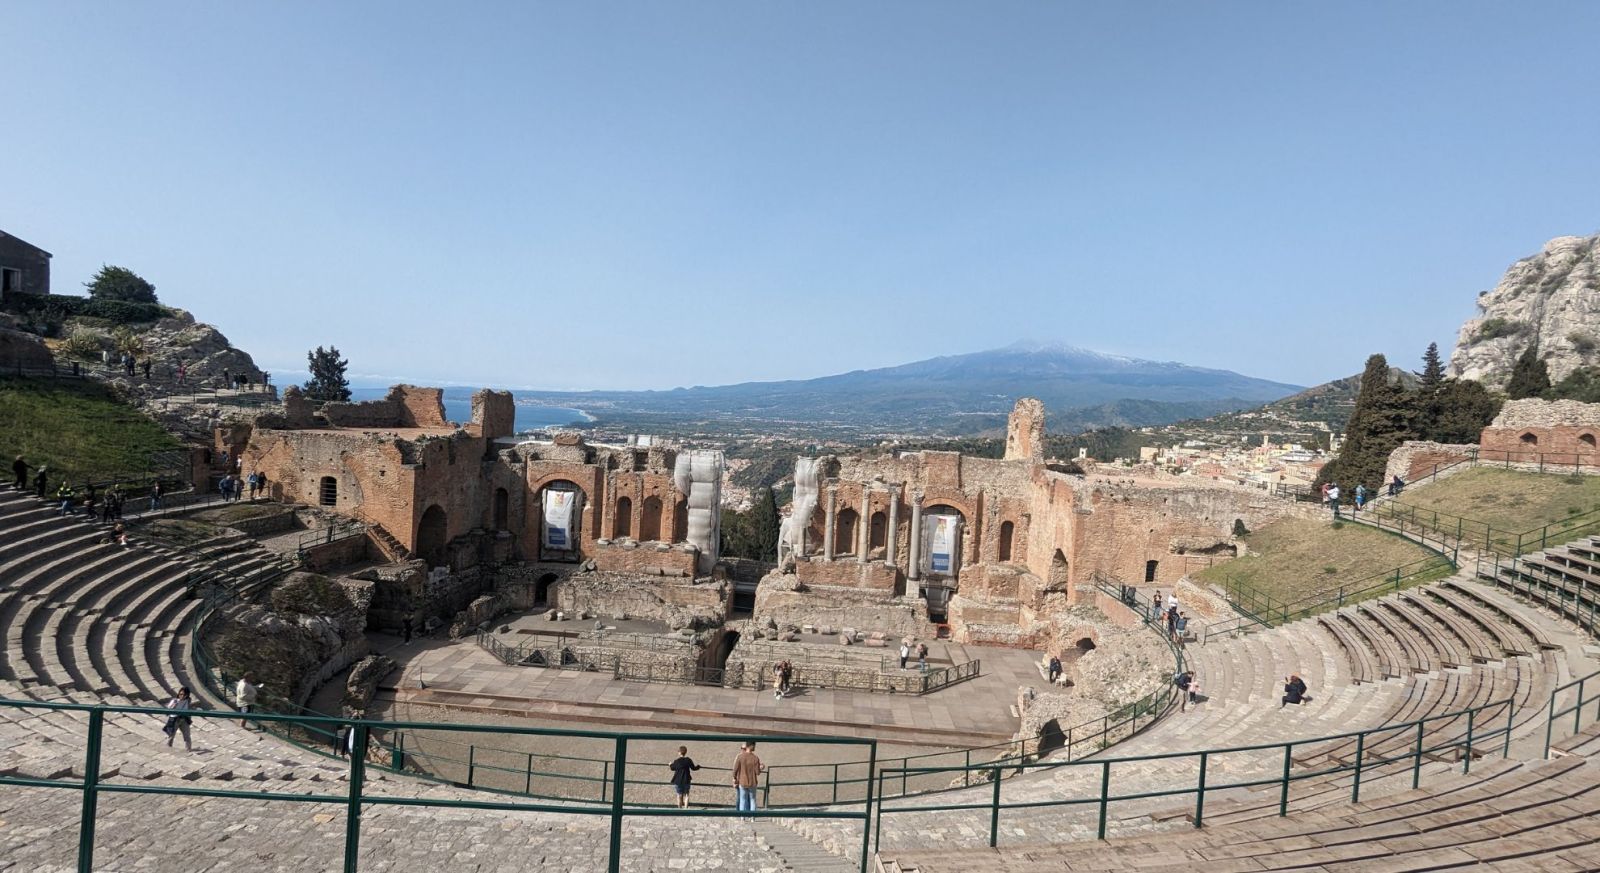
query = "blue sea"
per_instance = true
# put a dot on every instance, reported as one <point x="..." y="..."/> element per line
<point x="458" y="408"/>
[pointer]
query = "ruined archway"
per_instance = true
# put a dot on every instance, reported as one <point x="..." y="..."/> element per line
<point x="1007" y="531"/>
<point x="433" y="532"/>
<point x="541" y="588"/>
<point x="502" y="508"/>
<point x="650" y="519"/>
<point x="943" y="527"/>
<point x="844" y="532"/>
<point x="560" y="521"/>
<point x="680" y="522"/>
<point x="622" y="519"/>
<point x="878" y="533"/>
<point x="1059" y="572"/>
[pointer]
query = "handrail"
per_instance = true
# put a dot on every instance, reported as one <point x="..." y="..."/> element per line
<point x="1483" y="537"/>
<point x="1371" y="751"/>
<point x="617" y="808"/>
<point x="1260" y="608"/>
<point x="1575" y="709"/>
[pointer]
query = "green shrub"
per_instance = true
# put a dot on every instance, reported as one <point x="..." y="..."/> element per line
<point x="1582" y="342"/>
<point x="1497" y="327"/>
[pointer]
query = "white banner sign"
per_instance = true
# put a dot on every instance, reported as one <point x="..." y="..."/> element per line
<point x="559" y="509"/>
<point x="946" y="538"/>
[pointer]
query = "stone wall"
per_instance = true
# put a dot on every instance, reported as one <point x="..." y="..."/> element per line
<point x="1416" y="459"/>
<point x="647" y="559"/>
<point x="331" y="556"/>
<point x="677" y="603"/>
<point x="404" y="406"/>
<point x="22" y="351"/>
<point x="778" y="599"/>
<point x="1556" y="432"/>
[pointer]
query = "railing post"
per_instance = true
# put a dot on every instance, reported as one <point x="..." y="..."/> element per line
<point x="1105" y="793"/>
<point x="1416" y="765"/>
<point x="1361" y="750"/>
<point x="527" y="784"/>
<point x="1200" y="792"/>
<point x="994" y="809"/>
<point x="872" y="764"/>
<point x="1283" y="795"/>
<point x="605" y="781"/>
<point x="1511" y="720"/>
<point x="614" y="857"/>
<point x="766" y="788"/>
<point x="91" y="792"/>
<point x="1466" y="759"/>
<point x="835" y="784"/>
<point x="472" y="764"/>
<point x="352" y="811"/>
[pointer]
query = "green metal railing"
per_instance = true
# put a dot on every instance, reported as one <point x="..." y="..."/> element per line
<point x="1480" y="536"/>
<point x="1576" y="709"/>
<point x="1257" y="607"/>
<point x="356" y="800"/>
<point x="1571" y="595"/>
<point x="1375" y="749"/>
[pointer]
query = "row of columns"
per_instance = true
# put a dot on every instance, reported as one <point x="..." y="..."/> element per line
<point x="863" y="532"/>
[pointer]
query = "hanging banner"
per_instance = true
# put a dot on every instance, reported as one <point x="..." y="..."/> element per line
<point x="946" y="537"/>
<point x="559" y="509"/>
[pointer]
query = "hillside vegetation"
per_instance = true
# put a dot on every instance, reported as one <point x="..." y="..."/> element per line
<point x="77" y="427"/>
<point x="1294" y="558"/>
<point x="1507" y="500"/>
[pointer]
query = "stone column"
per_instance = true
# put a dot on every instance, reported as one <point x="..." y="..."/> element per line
<point x="889" y="555"/>
<point x="827" y="528"/>
<point x="915" y="570"/>
<point x="864" y="526"/>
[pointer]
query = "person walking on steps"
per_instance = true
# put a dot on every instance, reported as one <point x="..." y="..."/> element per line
<point x="1361" y="497"/>
<point x="681" y="780"/>
<point x="155" y="496"/>
<point x="19" y="468"/>
<point x="178" y="722"/>
<point x="39" y="481"/>
<point x="246" y="695"/>
<point x="747" y="770"/>
<point x="1184" y="681"/>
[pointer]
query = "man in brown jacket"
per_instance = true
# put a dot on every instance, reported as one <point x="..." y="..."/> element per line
<point x="747" y="770"/>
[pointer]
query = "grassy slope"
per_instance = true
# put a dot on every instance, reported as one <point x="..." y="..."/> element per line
<point x="77" y="427"/>
<point x="1508" y="500"/>
<point x="1291" y="558"/>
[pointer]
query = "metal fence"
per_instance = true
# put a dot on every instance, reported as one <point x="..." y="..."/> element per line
<point x="1580" y="704"/>
<point x="1259" y="608"/>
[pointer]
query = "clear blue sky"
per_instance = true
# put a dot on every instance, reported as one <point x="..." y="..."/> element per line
<point x="571" y="195"/>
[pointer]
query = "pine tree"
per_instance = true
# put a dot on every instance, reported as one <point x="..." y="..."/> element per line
<point x="1462" y="409"/>
<point x="327" y="375"/>
<point x="1432" y="375"/>
<point x="1530" y="376"/>
<point x="1383" y="418"/>
<point x="120" y="283"/>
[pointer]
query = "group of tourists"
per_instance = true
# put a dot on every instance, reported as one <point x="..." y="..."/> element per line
<point x="920" y="650"/>
<point x="747" y="770"/>
<point x="1166" y="613"/>
<point x="1332" y="494"/>
<point x="126" y="362"/>
<point x="1188" y="689"/>
<point x="232" y="487"/>
<point x="782" y="679"/>
<point x="92" y="505"/>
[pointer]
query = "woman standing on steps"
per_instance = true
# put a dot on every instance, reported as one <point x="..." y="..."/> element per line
<point x="681" y="780"/>
<point x="178" y="722"/>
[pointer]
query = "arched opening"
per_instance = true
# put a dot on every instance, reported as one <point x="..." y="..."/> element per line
<point x="844" y="532"/>
<point x="432" y="533"/>
<point x="541" y="589"/>
<point x="622" y="519"/>
<point x="878" y="533"/>
<point x="1083" y="646"/>
<point x="1058" y="572"/>
<point x="943" y="528"/>
<point x="650" y="520"/>
<point x="502" y="508"/>
<point x="1051" y="736"/>
<point x="713" y="662"/>
<point x="680" y="522"/>
<point x="328" y="491"/>
<point x="1150" y="570"/>
<point x="1587" y="439"/>
<point x="1007" y="529"/>
<point x="560" y="521"/>
<point x="1529" y="439"/>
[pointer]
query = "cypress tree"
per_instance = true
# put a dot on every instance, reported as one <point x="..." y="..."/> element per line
<point x="327" y="375"/>
<point x="1432" y="375"/>
<point x="1530" y="377"/>
<point x="764" y="527"/>
<point x="1462" y="408"/>
<point x="1383" y="418"/>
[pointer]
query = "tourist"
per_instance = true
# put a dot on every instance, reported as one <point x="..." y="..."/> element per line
<point x="1194" y="689"/>
<point x="246" y="695"/>
<point x="1181" y="628"/>
<point x="1361" y="497"/>
<point x="1055" y="668"/>
<point x="227" y="380"/>
<point x="39" y="481"/>
<point x="1294" y="691"/>
<point x="777" y="681"/>
<point x="1155" y="605"/>
<point x="1325" y="487"/>
<point x="109" y="508"/>
<point x="922" y="657"/>
<point x="119" y="535"/>
<point x="681" y="780"/>
<point x="1183" y="680"/>
<point x="179" y="721"/>
<point x="905" y="653"/>
<point x="155" y="496"/>
<point x="255" y="483"/>
<point x="223" y="485"/>
<point x="1333" y="499"/>
<point x="19" y="468"/>
<point x="147" y="369"/>
<point x="1396" y="486"/>
<point x="1172" y="622"/>
<point x="64" y="494"/>
<point x="747" y="770"/>
<point x="405" y="629"/>
<point x="261" y="480"/>
<point x="341" y="740"/>
<point x="1172" y="600"/>
<point x="183" y="371"/>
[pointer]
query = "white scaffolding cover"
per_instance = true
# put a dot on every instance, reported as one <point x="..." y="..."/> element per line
<point x="791" y="540"/>
<point x="560" y="517"/>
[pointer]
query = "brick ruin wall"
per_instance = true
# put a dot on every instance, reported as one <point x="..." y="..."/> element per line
<point x="1555" y="432"/>
<point x="1417" y="459"/>
<point x="403" y="406"/>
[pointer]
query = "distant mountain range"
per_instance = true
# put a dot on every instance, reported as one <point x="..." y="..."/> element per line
<point x="952" y="394"/>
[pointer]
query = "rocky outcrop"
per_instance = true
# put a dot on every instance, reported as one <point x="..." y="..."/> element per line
<point x="22" y="351"/>
<point x="1552" y="298"/>
<point x="313" y="629"/>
